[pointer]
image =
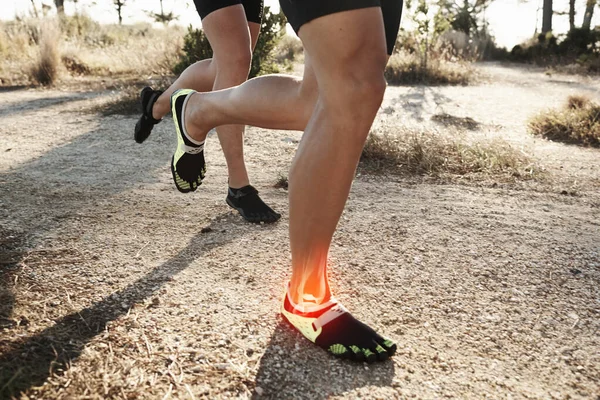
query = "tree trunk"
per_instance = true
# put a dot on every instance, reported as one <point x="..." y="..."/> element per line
<point x="547" y="16"/>
<point x="35" y="12"/>
<point x="119" y="5"/>
<point x="60" y="6"/>
<point x="589" y="12"/>
<point x="571" y="14"/>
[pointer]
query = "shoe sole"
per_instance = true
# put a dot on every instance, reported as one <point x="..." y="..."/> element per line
<point x="137" y="135"/>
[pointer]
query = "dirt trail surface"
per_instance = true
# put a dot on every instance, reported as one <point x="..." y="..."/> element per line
<point x="114" y="285"/>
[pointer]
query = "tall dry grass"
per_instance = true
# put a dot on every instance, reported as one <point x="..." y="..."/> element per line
<point x="45" y="70"/>
<point x="18" y="50"/>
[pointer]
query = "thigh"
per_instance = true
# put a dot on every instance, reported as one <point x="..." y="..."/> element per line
<point x="343" y="42"/>
<point x="228" y="33"/>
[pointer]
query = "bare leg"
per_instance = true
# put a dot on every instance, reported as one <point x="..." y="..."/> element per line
<point x="348" y="54"/>
<point x="233" y="57"/>
<point x="232" y="38"/>
<point x="349" y="74"/>
<point x="199" y="76"/>
<point x="270" y="101"/>
<point x="349" y="65"/>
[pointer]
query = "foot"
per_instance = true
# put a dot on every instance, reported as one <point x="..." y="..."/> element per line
<point x="250" y="206"/>
<point x="143" y="128"/>
<point x="331" y="327"/>
<point x="187" y="165"/>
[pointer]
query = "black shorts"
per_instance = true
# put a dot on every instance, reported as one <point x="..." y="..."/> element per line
<point x="253" y="8"/>
<point x="299" y="12"/>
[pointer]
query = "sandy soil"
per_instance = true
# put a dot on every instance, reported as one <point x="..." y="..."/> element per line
<point x="114" y="285"/>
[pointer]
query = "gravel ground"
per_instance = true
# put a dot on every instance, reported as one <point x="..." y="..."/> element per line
<point x="114" y="285"/>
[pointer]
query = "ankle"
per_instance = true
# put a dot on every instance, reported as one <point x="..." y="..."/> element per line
<point x="157" y="113"/>
<point x="236" y="182"/>
<point x="193" y="117"/>
<point x="307" y="293"/>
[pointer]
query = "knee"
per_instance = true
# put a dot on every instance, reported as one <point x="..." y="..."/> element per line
<point x="359" y="92"/>
<point x="307" y="96"/>
<point x="235" y="67"/>
<point x="370" y="89"/>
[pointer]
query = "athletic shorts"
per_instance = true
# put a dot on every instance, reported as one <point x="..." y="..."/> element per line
<point x="253" y="8"/>
<point x="299" y="12"/>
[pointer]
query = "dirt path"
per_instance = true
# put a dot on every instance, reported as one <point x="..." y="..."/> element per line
<point x="490" y="292"/>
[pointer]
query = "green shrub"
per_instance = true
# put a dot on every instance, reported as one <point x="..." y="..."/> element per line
<point x="272" y="30"/>
<point x="196" y="46"/>
<point x="288" y="49"/>
<point x="579" y="47"/>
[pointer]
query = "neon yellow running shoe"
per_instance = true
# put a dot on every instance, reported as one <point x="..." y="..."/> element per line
<point x="331" y="327"/>
<point x="187" y="165"/>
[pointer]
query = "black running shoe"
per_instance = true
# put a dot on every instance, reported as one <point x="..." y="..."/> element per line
<point x="148" y="97"/>
<point x="250" y="206"/>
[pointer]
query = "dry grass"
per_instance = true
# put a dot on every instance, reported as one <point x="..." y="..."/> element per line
<point x="87" y="48"/>
<point x="127" y="98"/>
<point x="128" y="50"/>
<point x="74" y="65"/>
<point x="45" y="70"/>
<point x="578" y="122"/>
<point x="282" y="182"/>
<point x="127" y="102"/>
<point x="405" y="68"/>
<point x="399" y="151"/>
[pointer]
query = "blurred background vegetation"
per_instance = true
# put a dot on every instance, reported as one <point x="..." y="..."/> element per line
<point x="438" y="44"/>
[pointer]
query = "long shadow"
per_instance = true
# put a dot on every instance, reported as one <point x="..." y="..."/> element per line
<point x="291" y="367"/>
<point x="37" y="104"/>
<point x="28" y="362"/>
<point x="42" y="195"/>
<point x="13" y="88"/>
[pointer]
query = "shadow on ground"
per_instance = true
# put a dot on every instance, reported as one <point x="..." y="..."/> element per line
<point x="38" y="104"/>
<point x="44" y="195"/>
<point x="456" y="122"/>
<point x="26" y="363"/>
<point x="10" y="255"/>
<point x="291" y="367"/>
<point x="414" y="102"/>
